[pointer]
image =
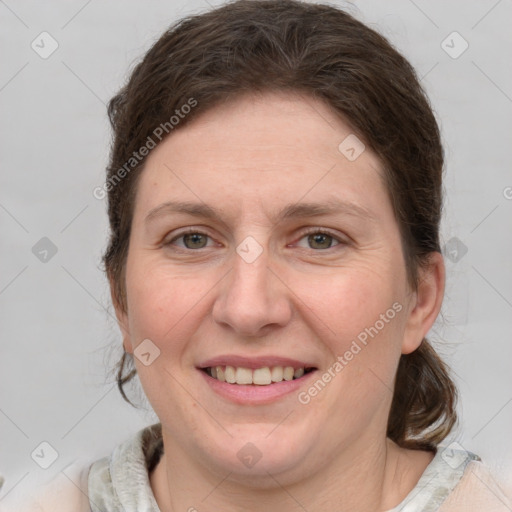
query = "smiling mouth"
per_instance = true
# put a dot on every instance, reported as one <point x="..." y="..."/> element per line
<point x="259" y="376"/>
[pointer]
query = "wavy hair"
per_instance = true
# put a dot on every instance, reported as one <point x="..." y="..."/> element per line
<point x="285" y="45"/>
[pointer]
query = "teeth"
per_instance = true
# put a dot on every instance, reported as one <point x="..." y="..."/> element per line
<point x="229" y="374"/>
<point x="288" y="373"/>
<point x="243" y="376"/>
<point x="277" y="374"/>
<point x="260" y="376"/>
<point x="299" y="372"/>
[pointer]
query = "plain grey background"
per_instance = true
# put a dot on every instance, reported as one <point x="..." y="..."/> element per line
<point x="57" y="329"/>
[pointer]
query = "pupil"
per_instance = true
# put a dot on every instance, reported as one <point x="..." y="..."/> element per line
<point x="195" y="238"/>
<point x="320" y="238"/>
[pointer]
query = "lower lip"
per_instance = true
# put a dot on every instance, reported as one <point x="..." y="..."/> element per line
<point x="253" y="393"/>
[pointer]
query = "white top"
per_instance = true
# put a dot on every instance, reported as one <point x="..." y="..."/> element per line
<point x="454" y="481"/>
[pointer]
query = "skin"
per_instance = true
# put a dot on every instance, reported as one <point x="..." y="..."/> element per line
<point x="248" y="158"/>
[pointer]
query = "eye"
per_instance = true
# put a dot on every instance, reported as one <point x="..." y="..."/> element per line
<point x="320" y="239"/>
<point x="192" y="239"/>
<point x="317" y="239"/>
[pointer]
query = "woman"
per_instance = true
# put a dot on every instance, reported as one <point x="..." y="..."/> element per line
<point x="274" y="194"/>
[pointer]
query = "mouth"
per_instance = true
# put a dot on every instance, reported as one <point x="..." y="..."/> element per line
<point x="263" y="376"/>
<point x="259" y="380"/>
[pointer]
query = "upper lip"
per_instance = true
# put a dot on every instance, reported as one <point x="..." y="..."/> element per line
<point x="254" y="362"/>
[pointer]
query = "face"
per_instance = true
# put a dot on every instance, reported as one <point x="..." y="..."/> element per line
<point x="287" y="254"/>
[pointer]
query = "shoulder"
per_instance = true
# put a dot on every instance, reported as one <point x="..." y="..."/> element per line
<point x="104" y="484"/>
<point x="64" y="492"/>
<point x="480" y="488"/>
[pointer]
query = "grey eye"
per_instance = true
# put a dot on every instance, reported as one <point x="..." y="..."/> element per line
<point x="196" y="240"/>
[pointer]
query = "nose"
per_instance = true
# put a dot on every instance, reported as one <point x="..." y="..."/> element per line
<point x="252" y="299"/>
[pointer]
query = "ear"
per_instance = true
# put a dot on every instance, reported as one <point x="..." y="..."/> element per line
<point x="425" y="302"/>
<point x="122" y="319"/>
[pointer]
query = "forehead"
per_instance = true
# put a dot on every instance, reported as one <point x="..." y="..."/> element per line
<point x="261" y="152"/>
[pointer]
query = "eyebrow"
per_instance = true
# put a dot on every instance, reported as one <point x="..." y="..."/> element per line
<point x="290" y="211"/>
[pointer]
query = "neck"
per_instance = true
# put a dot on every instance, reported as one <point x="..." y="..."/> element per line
<point x="377" y="477"/>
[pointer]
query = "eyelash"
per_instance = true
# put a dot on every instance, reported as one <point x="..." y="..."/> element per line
<point x="311" y="231"/>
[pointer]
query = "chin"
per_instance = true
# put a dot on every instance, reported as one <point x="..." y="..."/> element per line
<point x="253" y="452"/>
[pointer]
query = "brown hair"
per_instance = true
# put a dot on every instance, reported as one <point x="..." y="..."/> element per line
<point x="251" y="46"/>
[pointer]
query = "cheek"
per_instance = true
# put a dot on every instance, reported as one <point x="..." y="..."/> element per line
<point x="365" y="318"/>
<point x="349" y="302"/>
<point x="164" y="307"/>
<point x="161" y="303"/>
<point x="364" y="314"/>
